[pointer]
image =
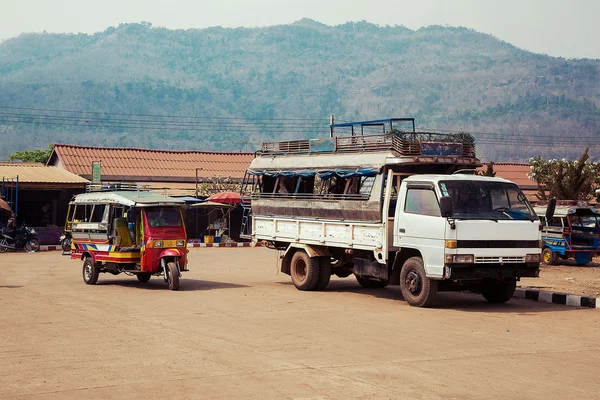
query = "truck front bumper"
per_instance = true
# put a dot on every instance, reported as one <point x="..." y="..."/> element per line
<point x="464" y="272"/>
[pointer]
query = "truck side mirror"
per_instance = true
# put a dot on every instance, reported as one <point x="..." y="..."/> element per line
<point x="446" y="206"/>
<point x="550" y="210"/>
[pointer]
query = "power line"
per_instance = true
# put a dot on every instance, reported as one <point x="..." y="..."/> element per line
<point x="161" y="115"/>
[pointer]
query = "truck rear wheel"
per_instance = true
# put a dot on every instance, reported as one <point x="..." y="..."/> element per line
<point x="370" y="283"/>
<point x="417" y="289"/>
<point x="324" y="273"/>
<point x="499" y="292"/>
<point x="305" y="271"/>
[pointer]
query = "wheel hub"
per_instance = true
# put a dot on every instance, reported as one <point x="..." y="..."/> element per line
<point x="88" y="272"/>
<point x="413" y="282"/>
<point x="300" y="270"/>
<point x="546" y="257"/>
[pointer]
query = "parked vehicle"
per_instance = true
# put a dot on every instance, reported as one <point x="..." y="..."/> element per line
<point x="388" y="209"/>
<point x="133" y="232"/>
<point x="65" y="242"/>
<point x="571" y="230"/>
<point x="24" y="239"/>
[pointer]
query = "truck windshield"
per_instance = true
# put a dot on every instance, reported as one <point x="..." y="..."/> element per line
<point x="163" y="216"/>
<point x="487" y="200"/>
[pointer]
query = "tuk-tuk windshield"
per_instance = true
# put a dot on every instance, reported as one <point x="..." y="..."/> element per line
<point x="163" y="216"/>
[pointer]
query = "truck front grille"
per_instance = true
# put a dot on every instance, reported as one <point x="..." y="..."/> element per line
<point x="499" y="260"/>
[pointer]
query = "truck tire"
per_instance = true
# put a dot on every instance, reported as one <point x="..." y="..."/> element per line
<point x="549" y="257"/>
<point x="305" y="271"/>
<point x="417" y="289"/>
<point x="499" y="292"/>
<point x="90" y="272"/>
<point x="324" y="273"/>
<point x="370" y="283"/>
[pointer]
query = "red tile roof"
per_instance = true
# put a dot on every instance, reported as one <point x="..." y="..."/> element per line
<point x="126" y="164"/>
<point x="515" y="172"/>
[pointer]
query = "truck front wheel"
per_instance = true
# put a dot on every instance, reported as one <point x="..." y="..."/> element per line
<point x="417" y="289"/>
<point x="499" y="292"/>
<point x="304" y="271"/>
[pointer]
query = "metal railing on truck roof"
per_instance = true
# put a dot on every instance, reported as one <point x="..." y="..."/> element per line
<point x="401" y="142"/>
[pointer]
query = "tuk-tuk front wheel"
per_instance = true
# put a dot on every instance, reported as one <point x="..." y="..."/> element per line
<point x="90" y="272"/>
<point x="173" y="275"/>
<point x="549" y="257"/>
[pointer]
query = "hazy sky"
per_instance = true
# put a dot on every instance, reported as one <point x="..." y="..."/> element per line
<point x="562" y="28"/>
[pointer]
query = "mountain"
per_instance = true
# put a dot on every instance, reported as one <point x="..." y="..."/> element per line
<point x="228" y="89"/>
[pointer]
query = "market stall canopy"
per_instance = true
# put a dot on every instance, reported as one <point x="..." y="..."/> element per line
<point x="209" y="204"/>
<point x="225" y="197"/>
<point x="4" y="206"/>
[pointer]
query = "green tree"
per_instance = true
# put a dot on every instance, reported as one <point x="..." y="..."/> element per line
<point x="35" y="155"/>
<point x="565" y="179"/>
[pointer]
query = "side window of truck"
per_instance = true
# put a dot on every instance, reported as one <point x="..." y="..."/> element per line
<point x="422" y="201"/>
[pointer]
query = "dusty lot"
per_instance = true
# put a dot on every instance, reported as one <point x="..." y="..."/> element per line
<point x="567" y="278"/>
<point x="237" y="329"/>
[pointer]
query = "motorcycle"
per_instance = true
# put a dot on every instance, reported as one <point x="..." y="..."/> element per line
<point x="65" y="242"/>
<point x="25" y="238"/>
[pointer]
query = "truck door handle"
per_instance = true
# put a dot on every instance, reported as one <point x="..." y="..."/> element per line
<point x="402" y="230"/>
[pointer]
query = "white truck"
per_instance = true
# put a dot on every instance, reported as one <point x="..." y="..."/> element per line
<point x="363" y="205"/>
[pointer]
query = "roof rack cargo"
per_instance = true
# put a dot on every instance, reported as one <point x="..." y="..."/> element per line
<point x="118" y="186"/>
<point x="403" y="142"/>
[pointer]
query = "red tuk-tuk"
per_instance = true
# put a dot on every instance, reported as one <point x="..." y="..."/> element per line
<point x="134" y="232"/>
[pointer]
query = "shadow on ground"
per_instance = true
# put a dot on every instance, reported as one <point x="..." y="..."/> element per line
<point x="457" y="301"/>
<point x="158" y="283"/>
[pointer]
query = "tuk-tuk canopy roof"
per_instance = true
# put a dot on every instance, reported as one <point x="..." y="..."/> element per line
<point x="563" y="211"/>
<point x="131" y="199"/>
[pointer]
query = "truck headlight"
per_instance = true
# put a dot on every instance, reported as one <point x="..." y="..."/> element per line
<point x="180" y="243"/>
<point x="532" y="258"/>
<point x="460" y="259"/>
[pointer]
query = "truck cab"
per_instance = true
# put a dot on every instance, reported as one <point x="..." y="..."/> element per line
<point x="464" y="232"/>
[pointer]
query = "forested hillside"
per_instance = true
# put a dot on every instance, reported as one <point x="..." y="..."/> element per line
<point x="236" y="87"/>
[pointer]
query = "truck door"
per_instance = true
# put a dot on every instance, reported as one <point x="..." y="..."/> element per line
<point x="418" y="225"/>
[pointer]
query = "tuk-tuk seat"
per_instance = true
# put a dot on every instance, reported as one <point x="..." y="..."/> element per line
<point x="122" y="231"/>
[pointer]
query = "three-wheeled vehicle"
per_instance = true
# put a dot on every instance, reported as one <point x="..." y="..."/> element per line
<point x="134" y="232"/>
<point x="570" y="229"/>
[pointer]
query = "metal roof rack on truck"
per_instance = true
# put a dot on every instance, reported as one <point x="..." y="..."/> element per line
<point x="402" y="142"/>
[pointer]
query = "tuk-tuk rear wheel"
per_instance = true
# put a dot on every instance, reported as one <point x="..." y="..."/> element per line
<point x="90" y="272"/>
<point x="173" y="277"/>
<point x="143" y="276"/>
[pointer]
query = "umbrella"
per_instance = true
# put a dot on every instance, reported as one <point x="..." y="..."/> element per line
<point x="208" y="204"/>
<point x="5" y="207"/>
<point x="225" y="197"/>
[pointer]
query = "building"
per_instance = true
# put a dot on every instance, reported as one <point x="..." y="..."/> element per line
<point x="40" y="195"/>
<point x="175" y="172"/>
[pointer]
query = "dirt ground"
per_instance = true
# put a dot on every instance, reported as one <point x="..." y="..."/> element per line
<point x="567" y="278"/>
<point x="239" y="330"/>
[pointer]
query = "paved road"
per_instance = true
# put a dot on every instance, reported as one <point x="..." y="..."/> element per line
<point x="237" y="329"/>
